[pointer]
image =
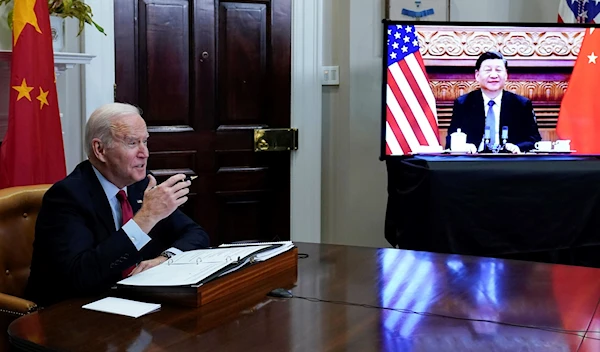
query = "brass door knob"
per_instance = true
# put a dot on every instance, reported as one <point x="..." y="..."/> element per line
<point x="263" y="144"/>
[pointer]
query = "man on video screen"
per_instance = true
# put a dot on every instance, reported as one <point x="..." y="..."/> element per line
<point x="493" y="107"/>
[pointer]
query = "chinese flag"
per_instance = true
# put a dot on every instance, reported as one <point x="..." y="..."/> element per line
<point x="579" y="116"/>
<point x="32" y="151"/>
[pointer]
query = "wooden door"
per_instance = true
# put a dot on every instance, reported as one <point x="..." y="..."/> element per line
<point x="206" y="73"/>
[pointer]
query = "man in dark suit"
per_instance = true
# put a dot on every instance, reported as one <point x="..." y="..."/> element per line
<point x="494" y="108"/>
<point x="108" y="219"/>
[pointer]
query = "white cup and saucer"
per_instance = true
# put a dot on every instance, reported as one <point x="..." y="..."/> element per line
<point x="543" y="146"/>
<point x="559" y="146"/>
<point x="562" y="145"/>
<point x="458" y="142"/>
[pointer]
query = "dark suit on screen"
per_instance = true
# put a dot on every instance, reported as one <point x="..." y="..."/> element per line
<point x="77" y="250"/>
<point x="516" y="112"/>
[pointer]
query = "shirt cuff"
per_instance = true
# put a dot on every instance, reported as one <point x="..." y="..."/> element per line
<point x="138" y="237"/>
<point x="174" y="250"/>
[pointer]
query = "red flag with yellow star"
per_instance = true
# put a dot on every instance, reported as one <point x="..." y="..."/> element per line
<point x="579" y="116"/>
<point x="32" y="151"/>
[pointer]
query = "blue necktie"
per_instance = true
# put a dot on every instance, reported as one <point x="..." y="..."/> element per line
<point x="490" y="121"/>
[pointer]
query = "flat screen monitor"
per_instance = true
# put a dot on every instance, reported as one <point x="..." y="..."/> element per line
<point x="439" y="79"/>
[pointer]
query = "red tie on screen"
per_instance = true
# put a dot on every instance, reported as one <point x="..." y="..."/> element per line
<point x="126" y="215"/>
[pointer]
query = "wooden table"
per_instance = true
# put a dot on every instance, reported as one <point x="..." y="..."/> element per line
<point x="357" y="299"/>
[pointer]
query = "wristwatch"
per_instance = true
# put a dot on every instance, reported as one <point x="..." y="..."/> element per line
<point x="167" y="254"/>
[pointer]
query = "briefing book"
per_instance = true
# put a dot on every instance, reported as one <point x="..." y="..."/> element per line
<point x="200" y="266"/>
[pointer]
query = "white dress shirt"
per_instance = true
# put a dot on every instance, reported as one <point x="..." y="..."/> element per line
<point x="138" y="237"/>
<point x="496" y="108"/>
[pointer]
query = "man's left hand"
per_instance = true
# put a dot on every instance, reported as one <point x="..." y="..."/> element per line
<point x="147" y="264"/>
<point x="513" y="148"/>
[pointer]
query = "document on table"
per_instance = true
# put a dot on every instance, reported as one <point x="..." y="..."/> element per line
<point x="192" y="267"/>
<point x="277" y="248"/>
<point x="122" y="306"/>
<point x="215" y="255"/>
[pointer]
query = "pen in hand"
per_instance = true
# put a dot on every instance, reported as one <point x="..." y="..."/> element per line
<point x="187" y="178"/>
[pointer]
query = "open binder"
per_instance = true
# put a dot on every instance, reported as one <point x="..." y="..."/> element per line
<point x="216" y="274"/>
<point x="199" y="266"/>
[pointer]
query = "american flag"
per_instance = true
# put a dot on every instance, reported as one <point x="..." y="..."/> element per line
<point x="411" y="116"/>
<point x="579" y="11"/>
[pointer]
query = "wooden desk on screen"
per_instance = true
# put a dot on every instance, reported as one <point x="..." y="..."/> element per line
<point x="340" y="296"/>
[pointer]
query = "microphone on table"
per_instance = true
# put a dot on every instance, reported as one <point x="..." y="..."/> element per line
<point x="487" y="148"/>
<point x="504" y="139"/>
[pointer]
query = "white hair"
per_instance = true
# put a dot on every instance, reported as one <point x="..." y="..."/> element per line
<point x="100" y="123"/>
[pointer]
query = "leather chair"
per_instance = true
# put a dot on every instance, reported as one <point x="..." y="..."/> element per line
<point x="19" y="208"/>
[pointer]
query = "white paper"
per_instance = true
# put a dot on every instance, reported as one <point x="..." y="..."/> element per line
<point x="173" y="275"/>
<point x="262" y="256"/>
<point x="214" y="255"/>
<point x="255" y="244"/>
<point x="122" y="306"/>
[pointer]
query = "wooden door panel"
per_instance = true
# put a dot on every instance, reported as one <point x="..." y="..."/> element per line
<point x="242" y="219"/>
<point x="243" y="52"/>
<point x="230" y="138"/>
<point x="126" y="51"/>
<point x="206" y="74"/>
<point x="204" y="86"/>
<point x="242" y="179"/>
<point x="164" y="62"/>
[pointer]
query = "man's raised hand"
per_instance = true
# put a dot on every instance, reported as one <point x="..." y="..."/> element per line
<point x="161" y="200"/>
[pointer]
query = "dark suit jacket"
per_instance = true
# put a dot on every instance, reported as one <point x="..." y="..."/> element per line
<point x="516" y="112"/>
<point x="77" y="251"/>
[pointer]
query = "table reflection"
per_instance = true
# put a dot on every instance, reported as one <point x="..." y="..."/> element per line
<point x="422" y="294"/>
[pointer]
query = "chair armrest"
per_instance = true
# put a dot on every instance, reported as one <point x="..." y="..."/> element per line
<point x="15" y="305"/>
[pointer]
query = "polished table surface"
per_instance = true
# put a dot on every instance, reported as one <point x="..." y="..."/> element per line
<point x="357" y="299"/>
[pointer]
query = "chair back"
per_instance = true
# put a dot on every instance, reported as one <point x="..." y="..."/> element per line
<point x="19" y="208"/>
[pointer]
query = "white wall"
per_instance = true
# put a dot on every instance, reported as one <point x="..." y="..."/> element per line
<point x="479" y="10"/>
<point x="353" y="177"/>
<point x="534" y="10"/>
<point x="504" y="10"/>
<point x="354" y="180"/>
<point x="5" y="33"/>
<point x="70" y="97"/>
<point x="353" y="186"/>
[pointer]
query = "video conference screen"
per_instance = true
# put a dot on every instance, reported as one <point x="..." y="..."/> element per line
<point x="490" y="88"/>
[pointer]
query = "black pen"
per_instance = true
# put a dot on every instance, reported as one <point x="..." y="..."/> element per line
<point x="190" y="178"/>
<point x="187" y="178"/>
